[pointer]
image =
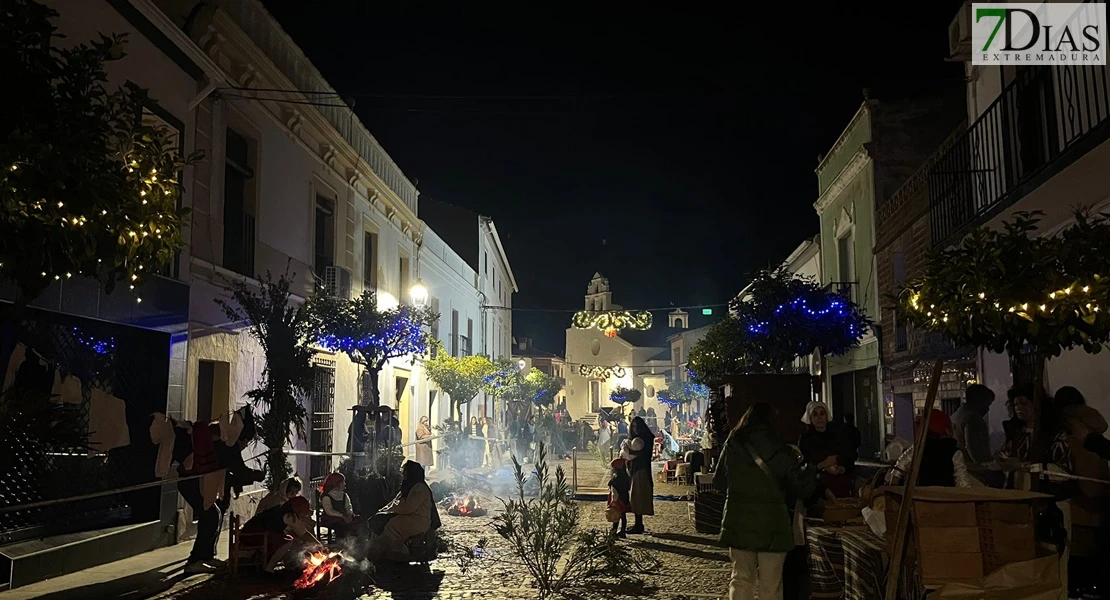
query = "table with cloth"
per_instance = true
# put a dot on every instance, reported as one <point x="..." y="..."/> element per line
<point x="865" y="567"/>
<point x="826" y="559"/>
<point x="851" y="563"/>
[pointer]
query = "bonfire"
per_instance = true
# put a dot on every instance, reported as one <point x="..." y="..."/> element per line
<point x="320" y="565"/>
<point x="466" y="506"/>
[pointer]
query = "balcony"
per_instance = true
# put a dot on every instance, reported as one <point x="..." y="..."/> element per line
<point x="844" y="288"/>
<point x="1041" y="123"/>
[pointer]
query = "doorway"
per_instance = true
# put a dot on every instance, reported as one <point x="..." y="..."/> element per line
<point x="403" y="396"/>
<point x="903" y="416"/>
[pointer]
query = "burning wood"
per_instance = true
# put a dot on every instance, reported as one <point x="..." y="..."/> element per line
<point x="320" y="565"/>
<point x="466" y="506"/>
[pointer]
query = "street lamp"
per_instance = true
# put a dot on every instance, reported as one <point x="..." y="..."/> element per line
<point x="419" y="294"/>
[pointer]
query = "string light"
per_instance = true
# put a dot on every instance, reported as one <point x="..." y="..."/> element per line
<point x="601" y="371"/>
<point x="99" y="346"/>
<point x="611" y="320"/>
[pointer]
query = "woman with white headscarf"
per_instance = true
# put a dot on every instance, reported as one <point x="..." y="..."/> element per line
<point x="824" y="447"/>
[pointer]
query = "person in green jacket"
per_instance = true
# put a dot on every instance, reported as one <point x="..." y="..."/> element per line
<point x="760" y="475"/>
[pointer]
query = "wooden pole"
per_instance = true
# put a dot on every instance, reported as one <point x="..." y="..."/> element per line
<point x="898" y="551"/>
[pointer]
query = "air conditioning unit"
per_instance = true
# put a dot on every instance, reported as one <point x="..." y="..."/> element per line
<point x="337" y="282"/>
<point x="959" y="35"/>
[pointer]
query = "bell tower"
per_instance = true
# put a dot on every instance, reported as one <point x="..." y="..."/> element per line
<point x="598" y="295"/>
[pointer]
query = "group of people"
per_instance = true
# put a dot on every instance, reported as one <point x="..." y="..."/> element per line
<point x="769" y="484"/>
<point x="282" y="526"/>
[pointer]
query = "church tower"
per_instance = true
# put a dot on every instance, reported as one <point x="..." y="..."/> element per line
<point x="598" y="295"/>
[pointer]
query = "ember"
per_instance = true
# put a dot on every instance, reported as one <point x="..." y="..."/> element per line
<point x="320" y="565"/>
<point x="466" y="506"/>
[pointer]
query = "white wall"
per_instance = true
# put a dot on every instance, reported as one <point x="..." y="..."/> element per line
<point x="581" y="346"/>
<point x="451" y="281"/>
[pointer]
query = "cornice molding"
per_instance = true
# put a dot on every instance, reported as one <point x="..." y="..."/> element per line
<point x="844" y="135"/>
<point x="226" y="39"/>
<point x="855" y="165"/>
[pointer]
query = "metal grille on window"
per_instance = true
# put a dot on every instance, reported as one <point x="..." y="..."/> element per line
<point x="322" y="419"/>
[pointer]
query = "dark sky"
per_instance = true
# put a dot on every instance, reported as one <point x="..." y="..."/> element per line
<point x="672" y="151"/>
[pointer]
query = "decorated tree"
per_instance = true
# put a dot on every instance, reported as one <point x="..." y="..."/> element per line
<point x="461" y="378"/>
<point x="785" y="315"/>
<point x="782" y="316"/>
<point x="681" y="393"/>
<point x="721" y="353"/>
<point x="90" y="188"/>
<point x="1011" y="290"/>
<point x="511" y="383"/>
<point x="371" y="336"/>
<point x="623" y="395"/>
<point x="285" y="330"/>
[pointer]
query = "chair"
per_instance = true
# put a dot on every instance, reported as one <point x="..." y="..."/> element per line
<point x="671" y="470"/>
<point x="237" y="556"/>
<point x="319" y="512"/>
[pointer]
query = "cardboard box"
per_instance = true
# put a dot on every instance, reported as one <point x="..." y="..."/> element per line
<point x="938" y="567"/>
<point x="947" y="540"/>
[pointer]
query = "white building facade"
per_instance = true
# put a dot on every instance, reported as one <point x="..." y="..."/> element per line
<point x="1041" y="139"/>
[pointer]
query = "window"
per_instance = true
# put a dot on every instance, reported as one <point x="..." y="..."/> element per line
<point x="466" y="344"/>
<point x="369" y="261"/>
<point x="846" y="265"/>
<point x="845" y="260"/>
<point x="485" y="263"/>
<point x="405" y="276"/>
<point x="239" y="233"/>
<point x="454" y="333"/>
<point x="325" y="235"/>
<point x="433" y="303"/>
<point x="322" y="419"/>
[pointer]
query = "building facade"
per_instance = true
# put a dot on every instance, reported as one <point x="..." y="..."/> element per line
<point x="903" y="239"/>
<point x="139" y="338"/>
<point x="453" y="295"/>
<point x="476" y="241"/>
<point x="286" y="184"/>
<point x="883" y="144"/>
<point x="1036" y="141"/>
<point x="646" y="361"/>
<point x="527" y="356"/>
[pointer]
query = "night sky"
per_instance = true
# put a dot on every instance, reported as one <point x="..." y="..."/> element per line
<point x="672" y="152"/>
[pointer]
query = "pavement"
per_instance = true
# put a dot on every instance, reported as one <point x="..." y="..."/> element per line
<point x="692" y="566"/>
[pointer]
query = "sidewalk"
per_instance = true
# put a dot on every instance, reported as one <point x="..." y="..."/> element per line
<point x="134" y="578"/>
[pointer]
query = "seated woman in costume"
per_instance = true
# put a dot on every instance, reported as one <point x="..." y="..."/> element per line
<point x="410" y="514"/>
<point x="279" y="530"/>
<point x="288" y="489"/>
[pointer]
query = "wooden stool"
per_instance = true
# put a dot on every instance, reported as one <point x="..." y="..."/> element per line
<point x="237" y="556"/>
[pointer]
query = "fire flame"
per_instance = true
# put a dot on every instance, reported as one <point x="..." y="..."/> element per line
<point x="466" y="506"/>
<point x="320" y="565"/>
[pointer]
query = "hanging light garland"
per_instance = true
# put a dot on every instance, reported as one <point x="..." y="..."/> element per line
<point x="612" y="321"/>
<point x="600" y="371"/>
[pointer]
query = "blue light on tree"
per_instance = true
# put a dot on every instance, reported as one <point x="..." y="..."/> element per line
<point x="623" y="395"/>
<point x="102" y="347"/>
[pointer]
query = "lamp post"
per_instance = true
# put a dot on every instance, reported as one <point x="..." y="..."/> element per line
<point x="419" y="294"/>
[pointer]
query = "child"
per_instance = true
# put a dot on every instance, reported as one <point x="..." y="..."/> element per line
<point x="279" y="529"/>
<point x="619" y="486"/>
<point x="338" y="514"/>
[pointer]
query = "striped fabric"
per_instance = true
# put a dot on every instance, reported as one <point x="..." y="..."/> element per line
<point x="826" y="562"/>
<point x="865" y="566"/>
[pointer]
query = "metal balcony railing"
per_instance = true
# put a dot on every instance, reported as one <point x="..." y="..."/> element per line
<point x="1042" y="121"/>
<point x="844" y="288"/>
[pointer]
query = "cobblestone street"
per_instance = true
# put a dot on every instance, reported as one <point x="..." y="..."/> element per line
<point x="691" y="565"/>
